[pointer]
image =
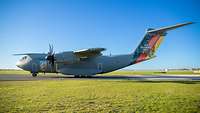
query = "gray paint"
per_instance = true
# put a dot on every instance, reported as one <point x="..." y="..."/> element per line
<point x="70" y="63"/>
<point x="88" y="66"/>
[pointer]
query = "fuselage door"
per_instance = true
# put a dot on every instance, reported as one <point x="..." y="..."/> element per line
<point x="100" y="67"/>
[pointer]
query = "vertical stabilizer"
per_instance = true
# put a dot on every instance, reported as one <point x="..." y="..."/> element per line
<point x="151" y="41"/>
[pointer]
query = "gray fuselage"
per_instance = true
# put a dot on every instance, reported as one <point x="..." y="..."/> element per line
<point x="83" y="66"/>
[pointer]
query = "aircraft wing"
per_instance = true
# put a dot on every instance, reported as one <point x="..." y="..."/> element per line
<point x="89" y="52"/>
<point x="29" y="54"/>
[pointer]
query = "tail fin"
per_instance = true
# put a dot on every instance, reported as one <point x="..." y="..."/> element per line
<point x="151" y="41"/>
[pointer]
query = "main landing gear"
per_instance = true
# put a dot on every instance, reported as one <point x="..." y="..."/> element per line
<point x="77" y="76"/>
<point x="82" y="76"/>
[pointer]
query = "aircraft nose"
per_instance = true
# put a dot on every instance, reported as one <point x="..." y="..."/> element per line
<point x="19" y="64"/>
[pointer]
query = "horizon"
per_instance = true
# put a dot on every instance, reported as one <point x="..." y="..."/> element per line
<point x="29" y="26"/>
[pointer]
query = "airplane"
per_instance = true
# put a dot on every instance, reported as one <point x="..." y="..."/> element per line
<point x="89" y="62"/>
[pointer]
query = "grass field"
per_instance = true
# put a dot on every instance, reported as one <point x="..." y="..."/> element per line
<point x="121" y="72"/>
<point x="100" y="96"/>
<point x="151" y="73"/>
<point x="9" y="71"/>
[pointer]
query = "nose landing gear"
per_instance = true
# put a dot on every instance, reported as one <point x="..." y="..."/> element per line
<point x="34" y="74"/>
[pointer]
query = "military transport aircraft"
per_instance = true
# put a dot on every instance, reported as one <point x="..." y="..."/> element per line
<point x="88" y="62"/>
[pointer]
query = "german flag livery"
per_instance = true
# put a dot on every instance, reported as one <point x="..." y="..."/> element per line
<point x="150" y="43"/>
<point x="148" y="47"/>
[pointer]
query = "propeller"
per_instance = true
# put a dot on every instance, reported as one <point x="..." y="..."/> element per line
<point x="51" y="56"/>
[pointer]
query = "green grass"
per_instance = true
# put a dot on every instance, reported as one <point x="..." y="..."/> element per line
<point x="151" y="73"/>
<point x="99" y="96"/>
<point x="12" y="71"/>
<point x="121" y="72"/>
<point x="18" y="72"/>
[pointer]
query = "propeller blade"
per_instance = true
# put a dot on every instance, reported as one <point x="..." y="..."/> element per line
<point x="51" y="56"/>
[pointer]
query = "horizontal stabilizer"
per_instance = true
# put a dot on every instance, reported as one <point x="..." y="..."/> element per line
<point x="164" y="29"/>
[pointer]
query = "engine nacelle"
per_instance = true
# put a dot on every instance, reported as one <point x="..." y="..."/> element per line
<point x="45" y="66"/>
<point x="66" y="58"/>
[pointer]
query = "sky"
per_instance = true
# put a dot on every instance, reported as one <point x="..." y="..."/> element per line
<point x="118" y="25"/>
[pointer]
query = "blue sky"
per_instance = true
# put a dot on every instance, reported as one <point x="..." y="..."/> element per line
<point x="118" y="25"/>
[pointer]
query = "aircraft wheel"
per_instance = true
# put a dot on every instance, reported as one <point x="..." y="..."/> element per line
<point x="76" y="76"/>
<point x="85" y="76"/>
<point x="34" y="74"/>
<point x="89" y="76"/>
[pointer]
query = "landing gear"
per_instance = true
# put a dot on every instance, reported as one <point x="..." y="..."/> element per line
<point x="89" y="76"/>
<point x="34" y="74"/>
<point x="77" y="76"/>
<point x="82" y="76"/>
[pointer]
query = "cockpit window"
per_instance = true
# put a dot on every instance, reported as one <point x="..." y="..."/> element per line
<point x="23" y="58"/>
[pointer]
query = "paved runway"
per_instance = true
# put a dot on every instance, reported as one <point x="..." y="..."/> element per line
<point x="113" y="77"/>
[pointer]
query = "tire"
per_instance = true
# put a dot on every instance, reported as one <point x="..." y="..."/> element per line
<point x="76" y="76"/>
<point x="89" y="76"/>
<point x="34" y="74"/>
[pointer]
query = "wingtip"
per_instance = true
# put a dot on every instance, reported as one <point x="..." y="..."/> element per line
<point x="17" y="54"/>
<point x="185" y="23"/>
<point x="190" y="22"/>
